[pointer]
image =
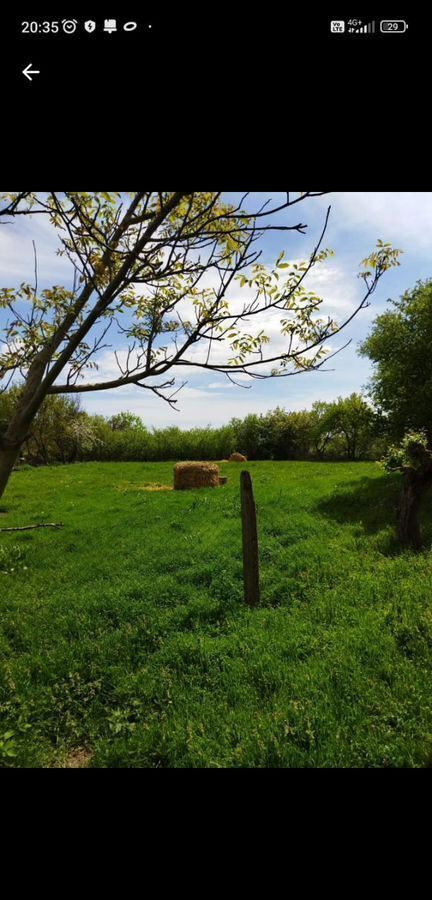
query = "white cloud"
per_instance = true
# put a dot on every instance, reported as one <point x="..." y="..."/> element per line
<point x="17" y="262"/>
<point x="195" y="407"/>
<point x="402" y="217"/>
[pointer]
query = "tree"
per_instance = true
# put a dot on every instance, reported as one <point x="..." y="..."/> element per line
<point x="249" y="436"/>
<point x="297" y="436"/>
<point x="286" y="435"/>
<point x="353" y="419"/>
<point x="399" y="346"/>
<point x="124" y="421"/>
<point x="146" y="258"/>
<point x="322" y="426"/>
<point x="414" y="459"/>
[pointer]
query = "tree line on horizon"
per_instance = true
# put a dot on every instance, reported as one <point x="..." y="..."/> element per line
<point x="62" y="432"/>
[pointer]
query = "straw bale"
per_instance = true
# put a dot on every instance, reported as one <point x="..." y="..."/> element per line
<point x="195" y="475"/>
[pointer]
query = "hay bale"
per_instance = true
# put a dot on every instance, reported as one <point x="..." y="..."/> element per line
<point x="189" y="475"/>
<point x="237" y="457"/>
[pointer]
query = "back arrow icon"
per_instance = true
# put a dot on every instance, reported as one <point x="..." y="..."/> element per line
<point x="28" y="72"/>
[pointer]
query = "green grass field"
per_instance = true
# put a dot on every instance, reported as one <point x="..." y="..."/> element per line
<point x="125" y="642"/>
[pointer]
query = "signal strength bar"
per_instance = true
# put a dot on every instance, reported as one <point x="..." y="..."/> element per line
<point x="366" y="29"/>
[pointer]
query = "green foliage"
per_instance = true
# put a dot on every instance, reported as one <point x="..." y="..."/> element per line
<point x="301" y="323"/>
<point x="409" y="454"/>
<point x="399" y="347"/>
<point x="7" y="746"/>
<point x="128" y="638"/>
<point x="346" y="429"/>
<point x="61" y="431"/>
<point x="124" y="421"/>
<point x="349" y="422"/>
<point x="384" y="257"/>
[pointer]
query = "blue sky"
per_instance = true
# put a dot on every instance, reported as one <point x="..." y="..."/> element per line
<point x="357" y="220"/>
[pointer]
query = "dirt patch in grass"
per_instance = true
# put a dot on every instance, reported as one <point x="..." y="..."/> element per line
<point x="78" y="759"/>
<point x="147" y="486"/>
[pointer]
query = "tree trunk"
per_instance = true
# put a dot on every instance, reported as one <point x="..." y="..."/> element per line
<point x="415" y="486"/>
<point x="8" y="458"/>
<point x="18" y="429"/>
<point x="13" y="438"/>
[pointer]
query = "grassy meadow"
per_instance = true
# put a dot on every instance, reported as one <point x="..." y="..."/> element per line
<point x="125" y="642"/>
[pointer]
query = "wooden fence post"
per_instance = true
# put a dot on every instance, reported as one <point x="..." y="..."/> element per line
<point x="250" y="542"/>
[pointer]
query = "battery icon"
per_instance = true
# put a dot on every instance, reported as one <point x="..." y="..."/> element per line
<point x="394" y="26"/>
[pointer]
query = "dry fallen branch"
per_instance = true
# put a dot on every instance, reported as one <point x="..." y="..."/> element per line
<point x="28" y="527"/>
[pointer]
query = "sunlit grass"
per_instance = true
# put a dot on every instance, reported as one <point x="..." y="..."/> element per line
<point x="124" y="639"/>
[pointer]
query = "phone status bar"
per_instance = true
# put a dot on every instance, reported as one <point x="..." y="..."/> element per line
<point x="68" y="27"/>
<point x="372" y="27"/>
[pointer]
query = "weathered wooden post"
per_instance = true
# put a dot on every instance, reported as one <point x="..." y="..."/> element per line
<point x="250" y="542"/>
